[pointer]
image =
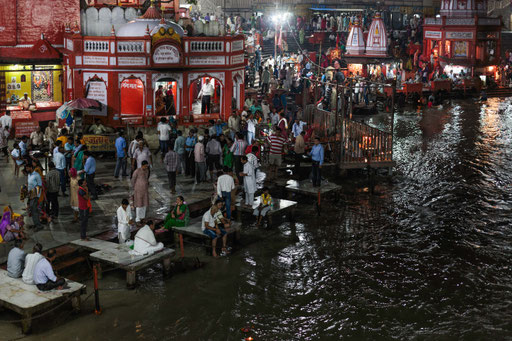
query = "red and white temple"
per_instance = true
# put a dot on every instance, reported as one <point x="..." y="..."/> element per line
<point x="55" y="52"/>
<point x="463" y="36"/>
<point x="355" y="42"/>
<point x="377" y="41"/>
<point x="125" y="70"/>
<point x="367" y="52"/>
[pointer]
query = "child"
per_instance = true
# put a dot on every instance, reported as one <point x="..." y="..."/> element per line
<point x="264" y="207"/>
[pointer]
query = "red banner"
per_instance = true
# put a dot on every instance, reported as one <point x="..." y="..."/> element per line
<point x="132" y="97"/>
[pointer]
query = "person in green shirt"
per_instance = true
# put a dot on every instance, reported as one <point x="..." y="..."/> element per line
<point x="179" y="215"/>
<point x="227" y="154"/>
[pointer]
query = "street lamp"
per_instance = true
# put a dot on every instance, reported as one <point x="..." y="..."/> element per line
<point x="278" y="18"/>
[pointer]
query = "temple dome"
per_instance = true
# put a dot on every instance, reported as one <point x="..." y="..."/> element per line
<point x="166" y="24"/>
<point x="377" y="41"/>
<point x="355" y="41"/>
<point x="149" y="23"/>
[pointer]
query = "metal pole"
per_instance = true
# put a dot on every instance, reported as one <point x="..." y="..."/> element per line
<point x="337" y="112"/>
<point x="275" y="46"/>
<point x="342" y="137"/>
<point x="393" y="115"/>
<point x="97" y="308"/>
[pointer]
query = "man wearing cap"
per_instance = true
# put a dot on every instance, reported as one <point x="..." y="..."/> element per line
<point x="25" y="101"/>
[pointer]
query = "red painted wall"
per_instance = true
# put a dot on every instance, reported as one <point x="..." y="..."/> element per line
<point x="23" y="21"/>
<point x="7" y="22"/>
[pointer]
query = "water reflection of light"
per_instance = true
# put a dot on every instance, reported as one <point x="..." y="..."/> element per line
<point x="490" y="122"/>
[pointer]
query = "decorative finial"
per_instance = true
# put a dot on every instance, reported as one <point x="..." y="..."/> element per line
<point x="76" y="28"/>
<point x="42" y="36"/>
<point x="147" y="30"/>
<point x="113" y="31"/>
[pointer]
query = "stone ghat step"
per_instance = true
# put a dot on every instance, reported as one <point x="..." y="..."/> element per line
<point x="75" y="269"/>
<point x="65" y="253"/>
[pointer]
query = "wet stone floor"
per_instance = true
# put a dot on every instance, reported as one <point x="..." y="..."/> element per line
<point x="426" y="257"/>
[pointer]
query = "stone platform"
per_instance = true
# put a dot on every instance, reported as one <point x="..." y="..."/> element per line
<point x="281" y="207"/>
<point x="119" y="256"/>
<point x="63" y="230"/>
<point x="27" y="300"/>
<point x="305" y="187"/>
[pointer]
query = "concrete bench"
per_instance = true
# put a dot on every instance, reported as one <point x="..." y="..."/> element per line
<point x="281" y="207"/>
<point x="118" y="256"/>
<point x="195" y="230"/>
<point x="27" y="300"/>
<point x="305" y="187"/>
<point x="94" y="244"/>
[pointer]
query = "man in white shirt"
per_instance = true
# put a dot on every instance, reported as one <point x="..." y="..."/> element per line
<point x="249" y="181"/>
<point x="25" y="101"/>
<point x="30" y="263"/>
<point x="251" y="128"/>
<point x="233" y="125"/>
<point x="44" y="277"/>
<point x="141" y="154"/>
<point x="164" y="130"/>
<point x="6" y="120"/>
<point x="265" y="110"/>
<point x="225" y="184"/>
<point x="60" y="164"/>
<point x="274" y="118"/>
<point x="253" y="159"/>
<point x="248" y="103"/>
<point x="36" y="138"/>
<point x="206" y="92"/>
<point x="213" y="152"/>
<point x="124" y="219"/>
<point x="211" y="230"/>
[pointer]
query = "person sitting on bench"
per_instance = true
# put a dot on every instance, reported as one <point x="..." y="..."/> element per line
<point x="30" y="263"/>
<point x="213" y="231"/>
<point x="16" y="259"/>
<point x="145" y="242"/>
<point x="179" y="215"/>
<point x="44" y="277"/>
<point x="264" y="206"/>
<point x="220" y="217"/>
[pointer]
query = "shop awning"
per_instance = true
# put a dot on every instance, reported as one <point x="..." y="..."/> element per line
<point x="41" y="52"/>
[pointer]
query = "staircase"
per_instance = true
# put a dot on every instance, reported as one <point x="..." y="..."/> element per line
<point x="294" y="45"/>
<point x="506" y="42"/>
<point x="499" y="92"/>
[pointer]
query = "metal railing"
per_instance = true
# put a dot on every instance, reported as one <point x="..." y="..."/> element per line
<point x="365" y="144"/>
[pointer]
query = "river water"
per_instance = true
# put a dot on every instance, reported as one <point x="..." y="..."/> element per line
<point x="426" y="258"/>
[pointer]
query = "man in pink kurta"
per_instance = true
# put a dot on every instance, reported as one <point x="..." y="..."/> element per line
<point x="140" y="186"/>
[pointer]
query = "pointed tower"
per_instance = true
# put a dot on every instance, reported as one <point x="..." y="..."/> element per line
<point x="377" y="41"/>
<point x="355" y="40"/>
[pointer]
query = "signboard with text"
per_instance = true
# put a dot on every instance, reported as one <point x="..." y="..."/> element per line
<point x="100" y="143"/>
<point x="132" y="97"/>
<point x="25" y="128"/>
<point x="433" y="34"/>
<point x="166" y="54"/>
<point x="98" y="90"/>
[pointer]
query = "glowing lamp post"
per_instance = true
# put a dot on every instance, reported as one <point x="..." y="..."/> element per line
<point x="279" y="18"/>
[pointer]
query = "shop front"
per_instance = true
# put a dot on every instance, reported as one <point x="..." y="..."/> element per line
<point x="31" y="81"/>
